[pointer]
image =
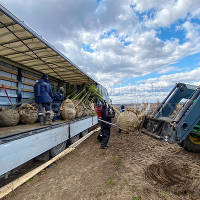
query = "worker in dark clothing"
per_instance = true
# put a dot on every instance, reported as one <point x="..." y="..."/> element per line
<point x="99" y="108"/>
<point x="106" y="115"/>
<point x="57" y="101"/>
<point x="122" y="109"/>
<point x="43" y="97"/>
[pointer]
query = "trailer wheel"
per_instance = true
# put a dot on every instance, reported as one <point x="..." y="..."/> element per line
<point x="58" y="149"/>
<point x="192" y="144"/>
<point x="74" y="138"/>
<point x="85" y="132"/>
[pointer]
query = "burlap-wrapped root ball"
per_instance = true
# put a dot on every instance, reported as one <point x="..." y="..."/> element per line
<point x="68" y="113"/>
<point x="78" y="108"/>
<point x="87" y="112"/>
<point x="92" y="107"/>
<point x="79" y="111"/>
<point x="93" y="111"/>
<point x="28" y="113"/>
<point x="128" y="121"/>
<point x="140" y="115"/>
<point x="75" y="102"/>
<point x="68" y="103"/>
<point x="67" y="110"/>
<point x="8" y="117"/>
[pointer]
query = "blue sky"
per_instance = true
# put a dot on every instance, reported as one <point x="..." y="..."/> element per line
<point x="172" y="32"/>
<point x="137" y="49"/>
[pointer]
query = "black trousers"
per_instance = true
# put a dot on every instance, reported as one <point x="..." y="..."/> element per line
<point x="105" y="136"/>
<point x="56" y="110"/>
<point x="42" y="106"/>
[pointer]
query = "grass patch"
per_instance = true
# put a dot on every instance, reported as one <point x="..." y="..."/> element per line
<point x="29" y="180"/>
<point x="73" y="151"/>
<point x="137" y="198"/>
<point x="165" y="194"/>
<point x="110" y="182"/>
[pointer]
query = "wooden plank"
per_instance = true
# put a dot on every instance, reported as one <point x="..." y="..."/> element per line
<point x="8" y="79"/>
<point x="27" y="83"/>
<point x="9" y="87"/>
<point x="29" y="76"/>
<point x="8" y="61"/>
<point x="13" y="80"/>
<point x="15" y="184"/>
<point x="27" y="90"/>
<point x="8" y="70"/>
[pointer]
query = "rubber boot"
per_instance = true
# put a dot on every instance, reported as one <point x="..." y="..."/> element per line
<point x="48" y="120"/>
<point x="41" y="120"/>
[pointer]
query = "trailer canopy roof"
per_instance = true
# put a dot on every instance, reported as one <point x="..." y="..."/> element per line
<point x="22" y="45"/>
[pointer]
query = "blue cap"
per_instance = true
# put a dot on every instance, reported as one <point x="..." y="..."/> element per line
<point x="45" y="76"/>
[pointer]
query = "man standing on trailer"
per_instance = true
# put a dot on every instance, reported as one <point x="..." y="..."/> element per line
<point x="57" y="101"/>
<point x="106" y="115"/>
<point x="43" y="97"/>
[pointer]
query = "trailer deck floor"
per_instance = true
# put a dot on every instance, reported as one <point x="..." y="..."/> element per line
<point x="12" y="130"/>
<point x="132" y="168"/>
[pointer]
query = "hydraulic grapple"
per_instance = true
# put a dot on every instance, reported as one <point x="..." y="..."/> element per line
<point x="183" y="128"/>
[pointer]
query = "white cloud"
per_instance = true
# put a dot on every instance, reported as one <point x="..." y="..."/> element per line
<point x="172" y="11"/>
<point x="154" y="89"/>
<point x="146" y="54"/>
<point x="146" y="5"/>
<point x="69" y="24"/>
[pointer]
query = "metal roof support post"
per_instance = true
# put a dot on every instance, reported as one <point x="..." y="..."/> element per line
<point x="19" y="85"/>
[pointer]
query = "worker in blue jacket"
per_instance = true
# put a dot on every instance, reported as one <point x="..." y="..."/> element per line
<point x="57" y="101"/>
<point x="43" y="97"/>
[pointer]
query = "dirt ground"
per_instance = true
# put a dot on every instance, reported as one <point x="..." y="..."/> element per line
<point x="134" y="167"/>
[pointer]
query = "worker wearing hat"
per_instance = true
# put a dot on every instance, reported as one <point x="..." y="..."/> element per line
<point x="43" y="97"/>
<point x="57" y="101"/>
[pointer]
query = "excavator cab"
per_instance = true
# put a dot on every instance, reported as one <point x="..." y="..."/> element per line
<point x="184" y="127"/>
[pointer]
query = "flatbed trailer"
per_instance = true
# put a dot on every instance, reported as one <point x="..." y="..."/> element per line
<point x="22" y="143"/>
<point x="24" y="57"/>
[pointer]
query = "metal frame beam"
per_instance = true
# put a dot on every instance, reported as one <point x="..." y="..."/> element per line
<point x="10" y="32"/>
<point x="22" y="52"/>
<point x="55" y="55"/>
<point x="14" y="33"/>
<point x="65" y="73"/>
<point x="16" y="40"/>
<point x="19" y="85"/>
<point x="8" y="24"/>
<point x="51" y="63"/>
<point x="75" y="78"/>
<point x="56" y="66"/>
<point x="73" y="75"/>
<point x="34" y="55"/>
<point x="64" y="67"/>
